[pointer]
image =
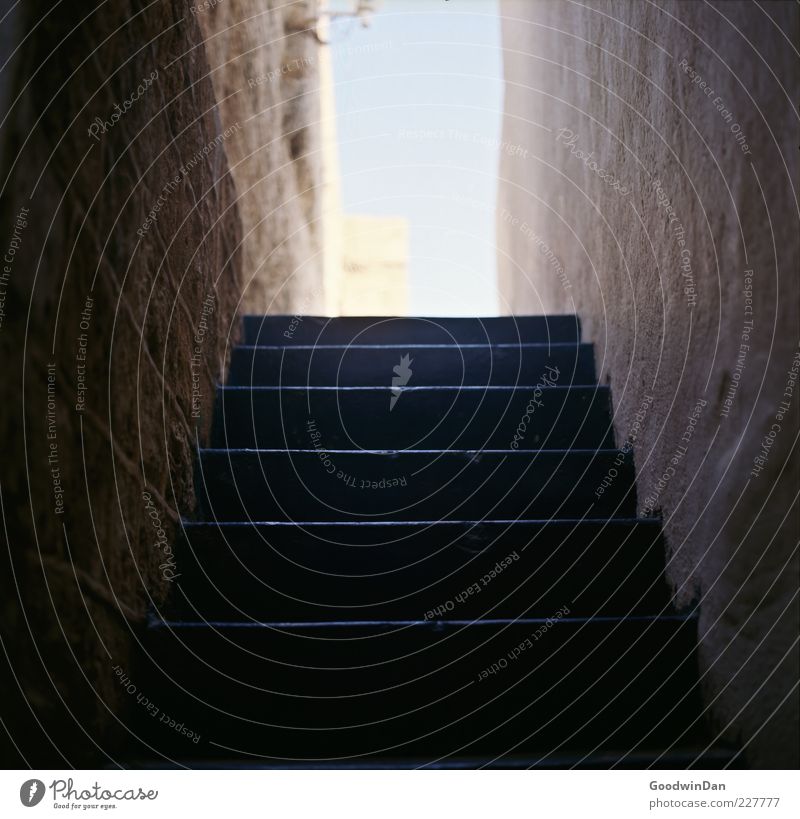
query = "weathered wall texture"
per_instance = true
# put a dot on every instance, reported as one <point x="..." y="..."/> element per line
<point x="266" y="72"/>
<point x="120" y="279"/>
<point x="657" y="164"/>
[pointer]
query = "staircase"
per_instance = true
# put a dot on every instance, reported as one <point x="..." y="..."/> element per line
<point x="418" y="546"/>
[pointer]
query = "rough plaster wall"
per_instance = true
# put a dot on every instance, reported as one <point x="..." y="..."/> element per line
<point x="265" y="69"/>
<point x="76" y="589"/>
<point x="569" y="241"/>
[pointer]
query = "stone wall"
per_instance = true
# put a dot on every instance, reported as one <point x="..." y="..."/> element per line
<point x="266" y="72"/>
<point x="120" y="281"/>
<point x="649" y="183"/>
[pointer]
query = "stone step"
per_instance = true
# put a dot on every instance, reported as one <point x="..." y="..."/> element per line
<point x="698" y="757"/>
<point x="287" y="690"/>
<point x="524" y="417"/>
<point x="415" y="571"/>
<point x="429" y="365"/>
<point x="303" y="330"/>
<point x="298" y="485"/>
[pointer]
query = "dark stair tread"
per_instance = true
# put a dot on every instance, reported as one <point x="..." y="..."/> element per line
<point x="410" y="569"/>
<point x="389" y="688"/>
<point x="440" y="417"/>
<point x="373" y="365"/>
<point x="276" y="329"/>
<point x="276" y="484"/>
<point x="699" y="757"/>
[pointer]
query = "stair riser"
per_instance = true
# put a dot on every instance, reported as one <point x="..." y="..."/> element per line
<point x="430" y="366"/>
<point x="699" y="757"/>
<point x="553" y="687"/>
<point x="302" y="330"/>
<point x="300" y="486"/>
<point x="445" y="418"/>
<point x="407" y="573"/>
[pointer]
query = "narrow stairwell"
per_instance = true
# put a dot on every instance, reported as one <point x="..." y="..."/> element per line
<point x="418" y="546"/>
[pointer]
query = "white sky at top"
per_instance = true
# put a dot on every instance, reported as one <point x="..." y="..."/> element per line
<point x="419" y="97"/>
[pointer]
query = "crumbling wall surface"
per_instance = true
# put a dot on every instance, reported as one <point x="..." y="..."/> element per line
<point x="654" y="191"/>
<point x="266" y="72"/>
<point x="120" y="280"/>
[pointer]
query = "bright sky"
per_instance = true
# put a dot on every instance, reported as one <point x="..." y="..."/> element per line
<point x="419" y="98"/>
